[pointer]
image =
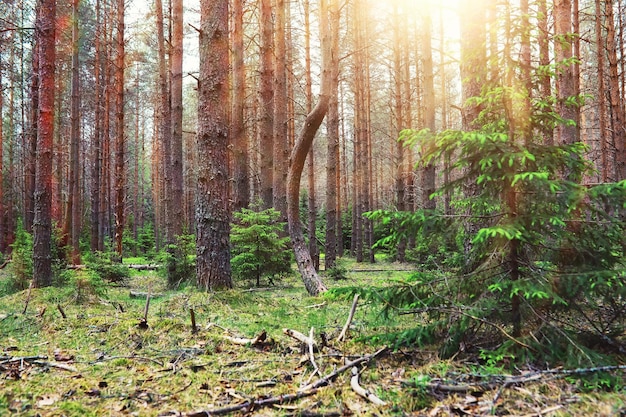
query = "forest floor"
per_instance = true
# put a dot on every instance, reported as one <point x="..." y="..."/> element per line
<point x="103" y="359"/>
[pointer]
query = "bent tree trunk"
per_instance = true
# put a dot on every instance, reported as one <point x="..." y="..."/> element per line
<point x="312" y="281"/>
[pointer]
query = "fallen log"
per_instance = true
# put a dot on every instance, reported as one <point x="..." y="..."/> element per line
<point x="139" y="294"/>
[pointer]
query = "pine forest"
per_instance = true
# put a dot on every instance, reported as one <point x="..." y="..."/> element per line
<point x="312" y="207"/>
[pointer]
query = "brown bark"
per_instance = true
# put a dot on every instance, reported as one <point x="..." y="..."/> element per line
<point x="165" y="128"/>
<point x="565" y="82"/>
<point x="42" y="225"/>
<point x="29" y="201"/>
<point x="281" y="116"/>
<point x="176" y="65"/>
<point x="241" y="152"/>
<point x="213" y="209"/>
<point x="2" y="215"/>
<point x="71" y="227"/>
<point x="332" y="155"/>
<point x="312" y="206"/>
<point x="602" y="109"/>
<point x="119" y="130"/>
<point x="312" y="282"/>
<point x="545" y="87"/>
<point x="266" y="104"/>
<point x="97" y="151"/>
<point x="617" y="105"/>
<point x="429" y="105"/>
<point x="399" y="147"/>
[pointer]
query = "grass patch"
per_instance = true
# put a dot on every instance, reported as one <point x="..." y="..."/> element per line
<point x="122" y="369"/>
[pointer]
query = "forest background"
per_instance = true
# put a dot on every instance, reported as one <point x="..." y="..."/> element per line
<point x="481" y="141"/>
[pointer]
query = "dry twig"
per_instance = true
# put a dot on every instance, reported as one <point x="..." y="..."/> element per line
<point x="367" y="394"/>
<point x="342" y="335"/>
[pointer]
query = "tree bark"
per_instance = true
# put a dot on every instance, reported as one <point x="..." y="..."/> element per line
<point x="176" y="65"/>
<point x="119" y="131"/>
<point x="213" y="209"/>
<point x="42" y="225"/>
<point x="266" y="105"/>
<point x="312" y="282"/>
<point x="97" y="136"/>
<point x="281" y="117"/>
<point x="429" y="105"/>
<point x="241" y="147"/>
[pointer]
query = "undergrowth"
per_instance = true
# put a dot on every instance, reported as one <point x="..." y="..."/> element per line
<point x="126" y="369"/>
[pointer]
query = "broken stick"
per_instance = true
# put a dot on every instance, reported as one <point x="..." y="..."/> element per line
<point x="342" y="335"/>
<point x="367" y="394"/>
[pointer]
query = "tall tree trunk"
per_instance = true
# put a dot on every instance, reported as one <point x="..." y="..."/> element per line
<point x="266" y="104"/>
<point x="165" y="128"/>
<point x="119" y="131"/>
<point x="617" y="105"/>
<point x="281" y="117"/>
<point x="29" y="201"/>
<point x="42" y="225"/>
<point x="312" y="282"/>
<point x="213" y="209"/>
<point x="565" y="82"/>
<point x="398" y="109"/>
<point x="71" y="228"/>
<point x="176" y="65"/>
<point x="241" y="163"/>
<point x="2" y="214"/>
<point x="602" y="109"/>
<point x="332" y="160"/>
<point x="545" y="86"/>
<point x="97" y="135"/>
<point x="428" y="171"/>
<point x="312" y="213"/>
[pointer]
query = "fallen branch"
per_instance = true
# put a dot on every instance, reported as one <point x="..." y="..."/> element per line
<point x="354" y="383"/>
<point x="56" y="365"/>
<point x="139" y="294"/>
<point x="342" y="335"/>
<point x="300" y="337"/>
<point x="61" y="311"/>
<point x="326" y="380"/>
<point x="312" y="353"/>
<point x="256" y="403"/>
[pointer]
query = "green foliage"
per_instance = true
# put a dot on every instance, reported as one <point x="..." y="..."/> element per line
<point x="145" y="241"/>
<point x="258" y="250"/>
<point x="178" y="260"/>
<point x="338" y="271"/>
<point x="22" y="261"/>
<point x="527" y="242"/>
<point x="84" y="286"/>
<point x="102" y="265"/>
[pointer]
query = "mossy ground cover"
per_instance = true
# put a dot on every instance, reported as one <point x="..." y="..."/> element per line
<point x="98" y="360"/>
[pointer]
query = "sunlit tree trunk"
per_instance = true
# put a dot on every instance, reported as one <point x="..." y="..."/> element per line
<point x="281" y="114"/>
<point x="399" y="121"/>
<point x="165" y="129"/>
<point x="71" y="228"/>
<point x="266" y="104"/>
<point x="567" y="133"/>
<point x="428" y="85"/>
<point x="332" y="154"/>
<point x="617" y="105"/>
<point x="42" y="225"/>
<point x="545" y="86"/>
<point x="312" y="212"/>
<point x="119" y="130"/>
<point x="97" y="151"/>
<point x="241" y="163"/>
<point x="176" y="70"/>
<point x="602" y="108"/>
<point x="213" y="208"/>
<point x="302" y="146"/>
<point x="2" y="214"/>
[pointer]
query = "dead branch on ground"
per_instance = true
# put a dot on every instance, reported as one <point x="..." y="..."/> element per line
<point x="367" y="394"/>
<point x="342" y="335"/>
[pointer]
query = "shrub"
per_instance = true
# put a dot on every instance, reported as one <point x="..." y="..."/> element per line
<point x="177" y="260"/>
<point x="101" y="264"/>
<point x="258" y="250"/>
